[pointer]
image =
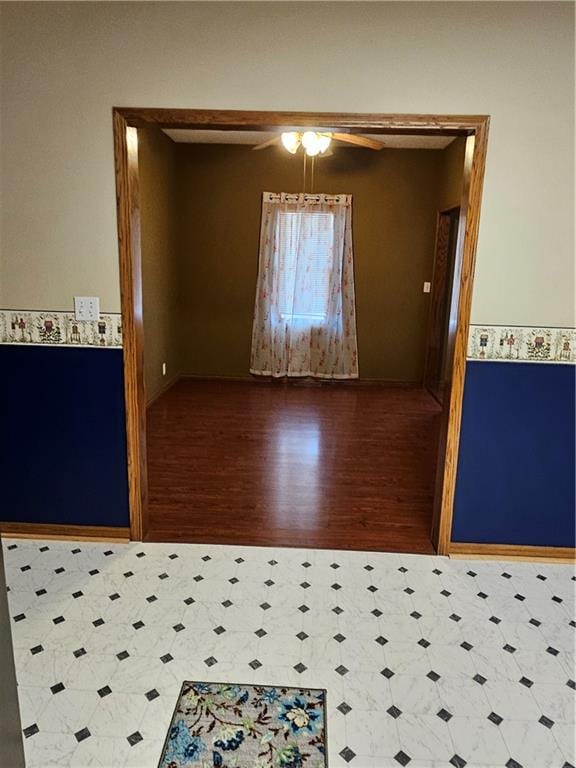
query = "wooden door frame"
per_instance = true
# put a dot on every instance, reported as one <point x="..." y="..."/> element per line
<point x="127" y="120"/>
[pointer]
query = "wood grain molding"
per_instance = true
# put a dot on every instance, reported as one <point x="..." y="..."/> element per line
<point x="64" y="532"/>
<point x="512" y="551"/>
<point x="475" y="127"/>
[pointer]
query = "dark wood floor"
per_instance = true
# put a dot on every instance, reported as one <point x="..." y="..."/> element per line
<point x="287" y="464"/>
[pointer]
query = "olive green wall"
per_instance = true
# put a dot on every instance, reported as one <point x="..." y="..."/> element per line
<point x="160" y="269"/>
<point x="450" y="189"/>
<point x="395" y="196"/>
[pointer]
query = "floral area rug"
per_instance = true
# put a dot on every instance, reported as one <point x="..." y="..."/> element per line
<point x="218" y="725"/>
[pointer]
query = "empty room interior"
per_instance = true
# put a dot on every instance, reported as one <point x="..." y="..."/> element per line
<point x="292" y="450"/>
<point x="288" y="354"/>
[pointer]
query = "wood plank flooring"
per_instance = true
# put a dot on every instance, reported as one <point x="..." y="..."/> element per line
<point x="292" y="464"/>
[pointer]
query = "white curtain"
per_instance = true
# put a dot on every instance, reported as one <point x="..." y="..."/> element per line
<point x="305" y="315"/>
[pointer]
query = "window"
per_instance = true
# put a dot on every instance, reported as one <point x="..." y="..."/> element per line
<point x="304" y="244"/>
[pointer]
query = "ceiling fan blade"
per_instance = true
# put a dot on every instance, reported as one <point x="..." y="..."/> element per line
<point x="360" y="141"/>
<point x="269" y="143"/>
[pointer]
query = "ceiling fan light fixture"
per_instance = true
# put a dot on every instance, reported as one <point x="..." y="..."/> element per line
<point x="291" y="140"/>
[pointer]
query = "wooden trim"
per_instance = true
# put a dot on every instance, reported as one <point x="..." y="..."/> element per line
<point x="163" y="390"/>
<point x="504" y="551"/>
<point x="128" y="215"/>
<point x="473" y="126"/>
<point x="74" y="532"/>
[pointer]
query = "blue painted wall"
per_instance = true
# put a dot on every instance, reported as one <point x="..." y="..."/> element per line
<point x="63" y="436"/>
<point x="516" y="477"/>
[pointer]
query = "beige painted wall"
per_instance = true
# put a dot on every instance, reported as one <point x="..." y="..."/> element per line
<point x="64" y="65"/>
<point x="394" y="221"/>
<point x="160" y="270"/>
<point x="451" y="178"/>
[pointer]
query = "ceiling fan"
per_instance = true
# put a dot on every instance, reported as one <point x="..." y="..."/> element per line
<point x="317" y="142"/>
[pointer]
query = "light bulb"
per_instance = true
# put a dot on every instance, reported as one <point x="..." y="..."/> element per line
<point x="324" y="140"/>
<point x="310" y="143"/>
<point x="291" y="141"/>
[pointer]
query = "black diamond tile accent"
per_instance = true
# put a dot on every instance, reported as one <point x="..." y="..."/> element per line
<point x="255" y="664"/>
<point x="198" y="578"/>
<point x="239" y="560"/>
<point x="344" y="708"/>
<point x="233" y="580"/>
<point x="567" y="765"/>
<point x="300" y="667"/>
<point x="122" y="655"/>
<point x="535" y="622"/>
<point x="272" y="562"/>
<point x="445" y="593"/>
<point x="93" y="572"/>
<point x="20" y="617"/>
<point x="416" y="615"/>
<point x="138" y="624"/>
<point x="472" y="573"/>
<point x="82" y="734"/>
<point x="394" y="712"/>
<point x="347" y="754"/>
<point x="513" y="763"/>
<point x="376" y="613"/>
<point x="305" y="585"/>
<point x="302" y="636"/>
<point x="506" y="575"/>
<point x="153" y="598"/>
<point x="141" y="554"/>
<point x="59" y="570"/>
<point x="455" y="617"/>
<point x="57" y="688"/>
<point x="368" y="568"/>
<point x="334" y="565"/>
<point x="437" y="571"/>
<point x="12" y="546"/>
<point x="402" y="758"/>
<point x="467" y="646"/>
<point x="372" y="588"/>
<point x="387" y="673"/>
<point x="552" y="651"/>
<point x="179" y="627"/>
<point x="167" y="658"/>
<point x="458" y="762"/>
<point x="79" y="652"/>
<point x="336" y="586"/>
<point x="265" y="606"/>
<point x="480" y="679"/>
<point x="495" y="718"/>
<point x="342" y="670"/>
<point x="381" y="640"/>
<point x="402" y="569"/>
<point x="339" y="638"/>
<point x="108" y="552"/>
<point x="98" y="622"/>
<point x="424" y="643"/>
<point x="337" y="610"/>
<point x="443" y="714"/>
<point x="219" y="630"/>
<point x="270" y="583"/>
<point x="191" y="601"/>
<point x="40" y="592"/>
<point x="151" y="695"/>
<point x="77" y="550"/>
<point x="25" y="568"/>
<point x="303" y="608"/>
<point x="114" y="596"/>
<point x="206" y="558"/>
<point x="134" y="738"/>
<point x="210" y="661"/>
<point x="173" y="556"/>
<point x="30" y="730"/>
<point x="434" y="676"/>
<point x="525" y="681"/>
<point x="409" y="591"/>
<point x="494" y="619"/>
<point x="260" y="632"/>
<point x="106" y="691"/>
<point x="128" y="574"/>
<point x="43" y="549"/>
<point x="557" y="599"/>
<point x="542" y="578"/>
<point x="58" y="620"/>
<point x="520" y="597"/>
<point x="571" y="684"/>
<point x="226" y="603"/>
<point x="572" y="623"/>
<point x="483" y="595"/>
<point x="163" y="576"/>
<point x="509" y="648"/>
<point x="546" y="721"/>
<point x="306" y="564"/>
<point x="36" y="649"/>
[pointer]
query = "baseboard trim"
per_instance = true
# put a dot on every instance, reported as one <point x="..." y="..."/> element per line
<point x="302" y="380"/>
<point x="165" y="388"/>
<point x="511" y="552"/>
<point x="64" y="532"/>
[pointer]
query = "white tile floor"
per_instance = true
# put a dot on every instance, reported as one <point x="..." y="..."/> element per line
<point x="428" y="662"/>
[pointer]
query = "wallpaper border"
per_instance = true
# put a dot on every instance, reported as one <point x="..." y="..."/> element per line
<point x="522" y="344"/>
<point x="59" y="329"/>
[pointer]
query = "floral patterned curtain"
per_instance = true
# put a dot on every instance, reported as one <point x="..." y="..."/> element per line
<point x="305" y="315"/>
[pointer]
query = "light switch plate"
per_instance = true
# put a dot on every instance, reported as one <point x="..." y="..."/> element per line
<point x="426" y="288"/>
<point x="87" y="308"/>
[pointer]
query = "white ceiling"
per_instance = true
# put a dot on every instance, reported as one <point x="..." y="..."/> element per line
<point x="186" y="136"/>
